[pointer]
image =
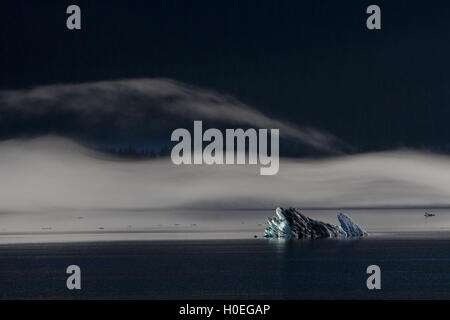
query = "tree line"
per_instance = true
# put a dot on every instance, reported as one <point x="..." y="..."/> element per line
<point x="131" y="151"/>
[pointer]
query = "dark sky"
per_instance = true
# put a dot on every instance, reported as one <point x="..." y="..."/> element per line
<point x="313" y="63"/>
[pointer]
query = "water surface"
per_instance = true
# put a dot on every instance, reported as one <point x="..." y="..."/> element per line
<point x="413" y="267"/>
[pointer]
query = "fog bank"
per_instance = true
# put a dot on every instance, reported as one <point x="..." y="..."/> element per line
<point x="55" y="174"/>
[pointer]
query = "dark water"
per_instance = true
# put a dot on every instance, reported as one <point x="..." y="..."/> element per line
<point x="235" y="269"/>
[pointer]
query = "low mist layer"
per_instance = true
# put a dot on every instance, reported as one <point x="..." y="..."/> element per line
<point x="55" y="173"/>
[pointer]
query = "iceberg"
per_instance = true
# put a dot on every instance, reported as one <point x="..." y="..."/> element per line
<point x="291" y="224"/>
<point x="351" y="228"/>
